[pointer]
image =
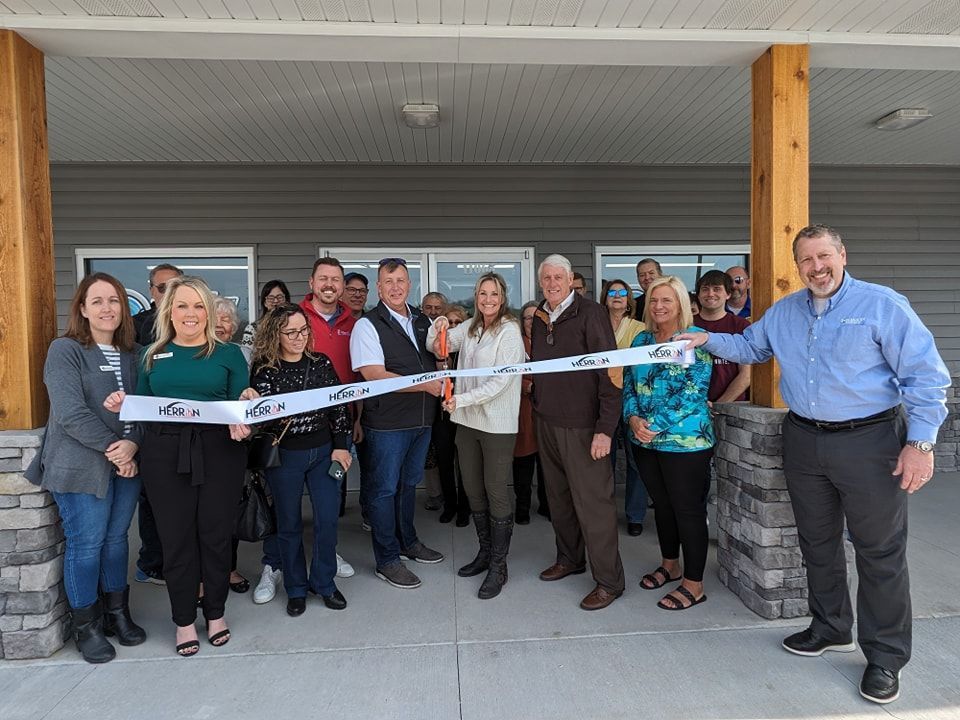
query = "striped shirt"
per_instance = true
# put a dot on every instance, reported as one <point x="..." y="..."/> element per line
<point x="113" y="357"/>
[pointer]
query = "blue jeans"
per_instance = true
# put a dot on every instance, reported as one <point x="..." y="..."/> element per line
<point x="394" y="467"/>
<point x="271" y="553"/>
<point x="635" y="501"/>
<point x="96" y="533"/>
<point x="286" y="484"/>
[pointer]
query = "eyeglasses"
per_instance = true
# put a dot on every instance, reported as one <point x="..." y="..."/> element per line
<point x="739" y="279"/>
<point x="276" y="298"/>
<point x="398" y="261"/>
<point x="617" y="293"/>
<point x="357" y="291"/>
<point x="294" y="334"/>
<point x="161" y="287"/>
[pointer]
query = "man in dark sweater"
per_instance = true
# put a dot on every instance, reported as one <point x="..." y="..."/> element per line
<point x="576" y="415"/>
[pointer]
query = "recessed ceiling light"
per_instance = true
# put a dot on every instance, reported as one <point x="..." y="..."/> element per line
<point x="903" y="118"/>
<point x="421" y="116"/>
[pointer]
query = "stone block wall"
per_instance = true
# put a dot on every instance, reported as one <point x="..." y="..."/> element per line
<point x="758" y="550"/>
<point x="33" y="606"/>
<point x="948" y="441"/>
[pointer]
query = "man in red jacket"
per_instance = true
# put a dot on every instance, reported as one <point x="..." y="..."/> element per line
<point x="331" y="325"/>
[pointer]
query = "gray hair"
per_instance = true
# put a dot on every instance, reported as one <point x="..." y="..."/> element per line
<point x="438" y="295"/>
<point x="555" y="261"/>
<point x="164" y="266"/>
<point x="818" y="231"/>
<point x="228" y="307"/>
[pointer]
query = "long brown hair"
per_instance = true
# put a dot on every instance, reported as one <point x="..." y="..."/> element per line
<point x="78" y="327"/>
<point x="163" y="327"/>
<point x="266" y="343"/>
<point x="504" y="315"/>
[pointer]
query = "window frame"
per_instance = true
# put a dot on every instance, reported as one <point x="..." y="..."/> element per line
<point x="653" y="249"/>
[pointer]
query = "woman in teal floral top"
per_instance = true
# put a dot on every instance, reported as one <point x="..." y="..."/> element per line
<point x="665" y="407"/>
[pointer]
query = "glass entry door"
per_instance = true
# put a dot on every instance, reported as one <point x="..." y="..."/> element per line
<point x="451" y="271"/>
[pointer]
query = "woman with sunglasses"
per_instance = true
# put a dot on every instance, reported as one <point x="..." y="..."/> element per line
<point x="617" y="297"/>
<point x="273" y="294"/>
<point x="311" y="443"/>
<point x="486" y="410"/>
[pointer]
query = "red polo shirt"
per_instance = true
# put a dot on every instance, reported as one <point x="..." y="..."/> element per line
<point x="333" y="340"/>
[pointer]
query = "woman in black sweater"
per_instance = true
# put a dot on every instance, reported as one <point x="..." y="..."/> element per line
<point x="310" y="443"/>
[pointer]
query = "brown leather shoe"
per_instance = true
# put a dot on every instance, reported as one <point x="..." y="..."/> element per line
<point x="599" y="599"/>
<point x="558" y="572"/>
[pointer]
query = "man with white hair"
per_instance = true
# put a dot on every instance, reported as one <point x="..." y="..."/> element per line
<point x="577" y="415"/>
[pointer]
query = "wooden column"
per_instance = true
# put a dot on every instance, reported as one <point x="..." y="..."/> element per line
<point x="28" y="307"/>
<point x="779" y="192"/>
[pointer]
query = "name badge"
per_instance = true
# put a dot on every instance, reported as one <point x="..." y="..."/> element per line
<point x="106" y="368"/>
<point x="161" y="356"/>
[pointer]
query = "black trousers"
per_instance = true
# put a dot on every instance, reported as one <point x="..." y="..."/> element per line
<point x="832" y="475"/>
<point x="523" y="470"/>
<point x="193" y="476"/>
<point x="678" y="483"/>
<point x="444" y="436"/>
<point x="150" y="560"/>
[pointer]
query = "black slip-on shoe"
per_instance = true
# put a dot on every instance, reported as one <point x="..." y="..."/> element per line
<point x="809" y="644"/>
<point x="880" y="685"/>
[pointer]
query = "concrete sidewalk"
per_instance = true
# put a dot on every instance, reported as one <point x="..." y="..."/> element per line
<point x="439" y="652"/>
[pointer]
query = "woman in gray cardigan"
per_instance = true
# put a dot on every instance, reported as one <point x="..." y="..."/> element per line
<point x="88" y="462"/>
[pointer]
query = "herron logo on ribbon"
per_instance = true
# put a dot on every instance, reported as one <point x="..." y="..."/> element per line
<point x="157" y="409"/>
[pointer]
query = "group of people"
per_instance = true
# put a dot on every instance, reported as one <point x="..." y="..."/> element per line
<point x="864" y="355"/>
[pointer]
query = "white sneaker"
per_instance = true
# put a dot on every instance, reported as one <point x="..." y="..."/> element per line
<point x="267" y="587"/>
<point x="344" y="569"/>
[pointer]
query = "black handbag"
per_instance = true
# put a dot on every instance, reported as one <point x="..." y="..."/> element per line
<point x="263" y="451"/>
<point x="256" y="519"/>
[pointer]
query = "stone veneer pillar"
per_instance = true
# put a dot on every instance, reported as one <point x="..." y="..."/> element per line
<point x="33" y="605"/>
<point x="758" y="550"/>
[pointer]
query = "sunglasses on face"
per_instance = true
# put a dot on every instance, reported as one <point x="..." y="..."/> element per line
<point x="161" y="288"/>
<point x="398" y="261"/>
<point x="616" y="293"/>
<point x="739" y="279"/>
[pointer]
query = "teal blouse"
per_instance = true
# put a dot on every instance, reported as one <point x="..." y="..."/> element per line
<point x="672" y="398"/>
<point x="177" y="372"/>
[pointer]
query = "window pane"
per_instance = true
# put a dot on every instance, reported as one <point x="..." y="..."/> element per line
<point x="689" y="267"/>
<point x="370" y="268"/>
<point x="226" y="276"/>
<point x="457" y="280"/>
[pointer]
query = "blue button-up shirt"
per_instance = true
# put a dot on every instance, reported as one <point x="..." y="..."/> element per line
<point x="865" y="353"/>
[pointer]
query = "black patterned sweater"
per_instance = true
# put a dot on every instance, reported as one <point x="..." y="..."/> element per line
<point x="310" y="429"/>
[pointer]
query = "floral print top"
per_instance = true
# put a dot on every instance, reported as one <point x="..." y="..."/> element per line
<point x="672" y="398"/>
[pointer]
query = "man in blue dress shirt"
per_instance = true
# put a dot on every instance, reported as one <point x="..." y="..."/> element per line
<point x="866" y="389"/>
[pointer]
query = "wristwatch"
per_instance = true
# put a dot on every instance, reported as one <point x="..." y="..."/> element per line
<point x="924" y="446"/>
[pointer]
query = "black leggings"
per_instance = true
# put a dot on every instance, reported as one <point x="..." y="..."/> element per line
<point x="678" y="483"/>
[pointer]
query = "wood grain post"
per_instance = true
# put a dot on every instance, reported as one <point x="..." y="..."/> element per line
<point x="28" y="308"/>
<point x="780" y="186"/>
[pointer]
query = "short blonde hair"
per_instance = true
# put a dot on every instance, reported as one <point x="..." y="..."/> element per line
<point x="683" y="300"/>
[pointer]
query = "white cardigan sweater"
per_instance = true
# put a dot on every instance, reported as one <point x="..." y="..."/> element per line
<point x="488" y="404"/>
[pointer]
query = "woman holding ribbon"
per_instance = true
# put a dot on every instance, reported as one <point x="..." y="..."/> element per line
<point x="311" y="443"/>
<point x="665" y="408"/>
<point x="192" y="472"/>
<point x="617" y="298"/>
<point x="88" y="463"/>
<point x="486" y="409"/>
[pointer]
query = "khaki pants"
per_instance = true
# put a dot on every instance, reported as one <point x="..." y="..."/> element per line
<point x="582" y="506"/>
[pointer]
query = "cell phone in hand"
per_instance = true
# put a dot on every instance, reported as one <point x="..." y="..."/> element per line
<point x="336" y="471"/>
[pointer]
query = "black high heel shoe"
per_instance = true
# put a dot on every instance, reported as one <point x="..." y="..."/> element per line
<point x="218" y="639"/>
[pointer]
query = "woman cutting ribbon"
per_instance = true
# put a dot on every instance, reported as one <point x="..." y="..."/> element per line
<point x="486" y="409"/>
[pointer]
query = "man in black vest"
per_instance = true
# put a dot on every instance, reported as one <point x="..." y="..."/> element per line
<point x="390" y="341"/>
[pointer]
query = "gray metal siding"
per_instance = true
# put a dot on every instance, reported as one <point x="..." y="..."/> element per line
<point x="901" y="223"/>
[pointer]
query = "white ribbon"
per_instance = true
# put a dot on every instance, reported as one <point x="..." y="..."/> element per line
<point x="223" y="412"/>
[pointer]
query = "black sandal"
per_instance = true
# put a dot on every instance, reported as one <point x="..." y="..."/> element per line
<point x="676" y="604"/>
<point x="655" y="582"/>
<point x="241" y="586"/>
<point x="219" y="639"/>
<point x="188" y="649"/>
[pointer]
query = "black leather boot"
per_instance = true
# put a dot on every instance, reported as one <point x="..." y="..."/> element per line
<point x="501" y="530"/>
<point x="117" y="620"/>
<point x="482" y="561"/>
<point x="88" y="633"/>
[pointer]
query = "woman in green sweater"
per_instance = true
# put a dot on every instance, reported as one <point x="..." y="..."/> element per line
<point x="193" y="473"/>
